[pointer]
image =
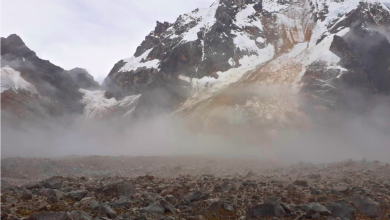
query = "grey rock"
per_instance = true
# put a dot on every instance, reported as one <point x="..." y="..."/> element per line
<point x="315" y="176"/>
<point x="265" y="210"/>
<point x="367" y="206"/>
<point x="119" y="188"/>
<point x="220" y="205"/>
<point x="342" y="209"/>
<point x="313" y="208"/>
<point x="52" y="184"/>
<point x="122" y="202"/>
<point x="196" y="196"/>
<point x="26" y="195"/>
<point x="57" y="194"/>
<point x="154" y="209"/>
<point x="340" y="188"/>
<point x="106" y="210"/>
<point x="168" y="206"/>
<point x="228" y="207"/>
<point x="89" y="202"/>
<point x="33" y="185"/>
<point x="49" y="216"/>
<point x="79" y="215"/>
<point x="77" y="195"/>
<point x="302" y="183"/>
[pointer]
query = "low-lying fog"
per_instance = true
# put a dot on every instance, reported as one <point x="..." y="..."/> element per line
<point x="353" y="137"/>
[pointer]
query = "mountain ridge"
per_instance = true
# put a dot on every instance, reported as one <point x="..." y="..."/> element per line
<point x="272" y="62"/>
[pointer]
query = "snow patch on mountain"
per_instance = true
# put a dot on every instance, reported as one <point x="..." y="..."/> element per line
<point x="243" y="18"/>
<point x="97" y="105"/>
<point x="134" y="62"/>
<point x="207" y="86"/>
<point x="207" y="17"/>
<point x="12" y="80"/>
<point x="273" y="6"/>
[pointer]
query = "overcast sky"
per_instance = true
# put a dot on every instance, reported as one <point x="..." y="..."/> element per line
<point x="92" y="34"/>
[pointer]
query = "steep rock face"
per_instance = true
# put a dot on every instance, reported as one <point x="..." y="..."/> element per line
<point x="364" y="65"/>
<point x="204" y="43"/>
<point x="83" y="79"/>
<point x="34" y="87"/>
<point x="50" y="80"/>
<point x="22" y="100"/>
<point x="250" y="60"/>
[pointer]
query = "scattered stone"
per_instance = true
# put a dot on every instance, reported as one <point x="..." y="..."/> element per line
<point x="155" y="208"/>
<point x="33" y="185"/>
<point x="122" y="202"/>
<point x="119" y="188"/>
<point x="57" y="194"/>
<point x="225" y="195"/>
<point x="79" y="215"/>
<point x="367" y="206"/>
<point x="265" y="211"/>
<point x="196" y="196"/>
<point x="315" y="176"/>
<point x="49" y="216"/>
<point x="26" y="195"/>
<point x="342" y="209"/>
<point x="340" y="188"/>
<point x="89" y="202"/>
<point x="313" y="208"/>
<point x="168" y="207"/>
<point x="302" y="183"/>
<point x="77" y="195"/>
<point x="106" y="210"/>
<point x="52" y="184"/>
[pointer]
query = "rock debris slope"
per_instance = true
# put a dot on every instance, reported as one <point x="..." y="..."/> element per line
<point x="169" y="188"/>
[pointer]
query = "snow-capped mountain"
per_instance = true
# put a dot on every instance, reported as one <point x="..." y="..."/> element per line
<point x="240" y="60"/>
<point x="31" y="86"/>
<point x="265" y="62"/>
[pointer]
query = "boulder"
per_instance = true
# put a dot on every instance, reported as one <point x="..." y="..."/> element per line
<point x="196" y="196"/>
<point x="49" y="216"/>
<point x="342" y="209"/>
<point x="119" y="188"/>
<point x="106" y="210"/>
<point x="367" y="206"/>
<point x="313" y="208"/>
<point x="52" y="184"/>
<point x="302" y="183"/>
<point x="79" y="215"/>
<point x="266" y="210"/>
<point x="155" y="208"/>
<point x="168" y="207"/>
<point x="77" y="195"/>
<point x="89" y="202"/>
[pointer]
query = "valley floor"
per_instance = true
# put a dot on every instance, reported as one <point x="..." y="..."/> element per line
<point x="191" y="187"/>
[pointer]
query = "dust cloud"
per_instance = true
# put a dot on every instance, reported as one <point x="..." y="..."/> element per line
<point x="328" y="137"/>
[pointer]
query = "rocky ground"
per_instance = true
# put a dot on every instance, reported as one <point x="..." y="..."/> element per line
<point x="82" y="188"/>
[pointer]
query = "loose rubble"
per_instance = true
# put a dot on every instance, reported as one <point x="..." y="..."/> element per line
<point x="346" y="190"/>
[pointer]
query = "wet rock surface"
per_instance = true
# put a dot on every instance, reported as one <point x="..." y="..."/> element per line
<point x="226" y="191"/>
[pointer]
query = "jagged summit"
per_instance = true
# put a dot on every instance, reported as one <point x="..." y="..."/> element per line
<point x="265" y="61"/>
<point x="211" y="52"/>
<point x="31" y="85"/>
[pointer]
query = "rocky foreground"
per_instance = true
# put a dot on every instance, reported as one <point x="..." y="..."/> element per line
<point x="191" y="188"/>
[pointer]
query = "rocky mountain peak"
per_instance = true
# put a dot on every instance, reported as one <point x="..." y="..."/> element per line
<point x="13" y="46"/>
<point x="208" y="51"/>
<point x="15" y="40"/>
<point x="33" y="86"/>
<point x="83" y="79"/>
<point x="315" y="48"/>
